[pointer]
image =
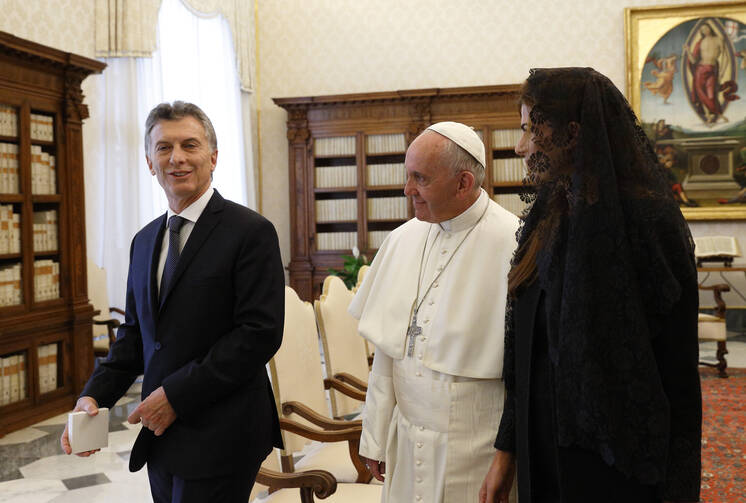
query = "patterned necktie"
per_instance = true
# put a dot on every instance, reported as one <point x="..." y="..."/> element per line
<point x="172" y="257"/>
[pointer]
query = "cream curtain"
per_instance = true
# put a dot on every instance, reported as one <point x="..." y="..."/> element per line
<point x="128" y="28"/>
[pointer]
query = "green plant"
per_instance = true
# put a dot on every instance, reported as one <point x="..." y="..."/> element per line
<point x="350" y="267"/>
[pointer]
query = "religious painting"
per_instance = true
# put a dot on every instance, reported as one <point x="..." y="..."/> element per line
<point x="686" y="81"/>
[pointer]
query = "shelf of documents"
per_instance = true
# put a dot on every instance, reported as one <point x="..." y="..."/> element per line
<point x="48" y="361"/>
<point x="336" y="210"/>
<point x="336" y="240"/>
<point x="43" y="171"/>
<point x="11" y="293"/>
<point x="385" y="143"/>
<point x="335" y="146"/>
<point x="10" y="230"/>
<point x="510" y="170"/>
<point x="45" y="231"/>
<point x="42" y="127"/>
<point x="8" y="121"/>
<point x="336" y="176"/>
<point x="13" y="378"/>
<point x="505" y="138"/>
<point x="9" y="168"/>
<point x="387" y="208"/>
<point x="46" y="280"/>
<point x="386" y="174"/>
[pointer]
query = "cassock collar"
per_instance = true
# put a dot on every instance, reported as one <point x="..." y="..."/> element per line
<point x="468" y="218"/>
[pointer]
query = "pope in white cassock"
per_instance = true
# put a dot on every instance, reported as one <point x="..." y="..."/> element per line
<point x="433" y="304"/>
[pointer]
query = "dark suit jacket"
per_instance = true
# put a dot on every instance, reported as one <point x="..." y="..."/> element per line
<point x="207" y="342"/>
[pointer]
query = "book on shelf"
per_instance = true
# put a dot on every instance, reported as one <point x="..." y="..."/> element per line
<point x="43" y="172"/>
<point x="8" y="121"/>
<point x="22" y="376"/>
<point x="386" y="174"/>
<point x="10" y="230"/>
<point x="46" y="280"/>
<point x="5" y="380"/>
<point x="336" y="240"/>
<point x="336" y="210"/>
<point x="45" y="230"/>
<point x="9" y="166"/>
<point x="338" y="145"/>
<point x="511" y="202"/>
<point x="385" y="143"/>
<point x="506" y="138"/>
<point x="10" y="285"/>
<point x="387" y="208"/>
<point x="336" y="176"/>
<point x="42" y="127"/>
<point x="511" y="169"/>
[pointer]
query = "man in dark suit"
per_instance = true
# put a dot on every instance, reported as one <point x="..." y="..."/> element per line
<point x="204" y="314"/>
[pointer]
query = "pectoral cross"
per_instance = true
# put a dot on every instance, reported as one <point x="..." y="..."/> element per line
<point x="412" y="332"/>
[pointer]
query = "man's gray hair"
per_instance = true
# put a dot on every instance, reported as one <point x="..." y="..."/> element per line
<point x="179" y="110"/>
<point x="461" y="160"/>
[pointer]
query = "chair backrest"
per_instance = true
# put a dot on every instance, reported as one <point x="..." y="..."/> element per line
<point x="344" y="349"/>
<point x="296" y="368"/>
<point x="360" y="276"/>
<point x="99" y="297"/>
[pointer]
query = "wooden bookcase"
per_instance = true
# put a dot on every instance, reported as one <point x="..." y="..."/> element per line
<point x="39" y="84"/>
<point x="355" y="138"/>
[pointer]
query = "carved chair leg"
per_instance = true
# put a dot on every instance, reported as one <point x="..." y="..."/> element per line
<point x="720" y="355"/>
<point x="306" y="495"/>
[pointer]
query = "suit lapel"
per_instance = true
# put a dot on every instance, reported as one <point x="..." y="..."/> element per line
<point x="155" y="254"/>
<point x="202" y="229"/>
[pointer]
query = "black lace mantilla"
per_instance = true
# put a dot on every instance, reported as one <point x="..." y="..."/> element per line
<point x="616" y="268"/>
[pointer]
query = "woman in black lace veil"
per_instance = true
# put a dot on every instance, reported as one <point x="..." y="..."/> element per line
<point x="603" y="396"/>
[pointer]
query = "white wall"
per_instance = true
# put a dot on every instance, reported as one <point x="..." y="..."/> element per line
<point x="345" y="46"/>
<point x="311" y="47"/>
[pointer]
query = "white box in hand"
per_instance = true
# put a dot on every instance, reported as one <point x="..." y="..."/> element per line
<point x="86" y="432"/>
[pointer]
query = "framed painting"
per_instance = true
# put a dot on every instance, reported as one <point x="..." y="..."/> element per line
<point x="686" y="81"/>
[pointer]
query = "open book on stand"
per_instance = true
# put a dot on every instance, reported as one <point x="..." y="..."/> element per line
<point x="716" y="249"/>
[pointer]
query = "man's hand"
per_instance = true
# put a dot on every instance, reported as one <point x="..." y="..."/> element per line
<point x="89" y="405"/>
<point x="499" y="479"/>
<point x="377" y="468"/>
<point x="155" y="412"/>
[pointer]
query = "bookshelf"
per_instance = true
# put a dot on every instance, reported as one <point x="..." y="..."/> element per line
<point x="346" y="165"/>
<point x="46" y="350"/>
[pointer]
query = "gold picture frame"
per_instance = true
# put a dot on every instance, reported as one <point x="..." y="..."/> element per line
<point x="667" y="76"/>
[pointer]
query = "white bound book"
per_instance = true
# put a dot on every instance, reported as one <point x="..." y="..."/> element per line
<point x="88" y="433"/>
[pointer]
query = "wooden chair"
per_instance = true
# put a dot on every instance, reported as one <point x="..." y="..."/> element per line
<point x="302" y="486"/>
<point x="104" y="326"/>
<point x="345" y="354"/>
<point x="711" y="327"/>
<point x="299" y="386"/>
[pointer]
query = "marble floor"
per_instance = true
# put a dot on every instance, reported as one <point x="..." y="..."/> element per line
<point x="33" y="468"/>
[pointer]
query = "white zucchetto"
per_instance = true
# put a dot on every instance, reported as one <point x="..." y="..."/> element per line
<point x="463" y="136"/>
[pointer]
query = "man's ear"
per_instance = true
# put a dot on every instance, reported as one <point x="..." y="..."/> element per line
<point x="150" y="165"/>
<point x="466" y="181"/>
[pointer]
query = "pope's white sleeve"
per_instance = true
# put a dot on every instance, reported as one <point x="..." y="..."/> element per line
<point x="379" y="406"/>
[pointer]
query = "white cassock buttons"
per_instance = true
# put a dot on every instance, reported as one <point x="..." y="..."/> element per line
<point x="443" y="252"/>
<point x="431" y="302"/>
<point x="419" y="445"/>
<point x="422" y="428"/>
<point x="418" y="497"/>
<point x="419" y="480"/>
<point x="418" y="374"/>
<point x="418" y="462"/>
